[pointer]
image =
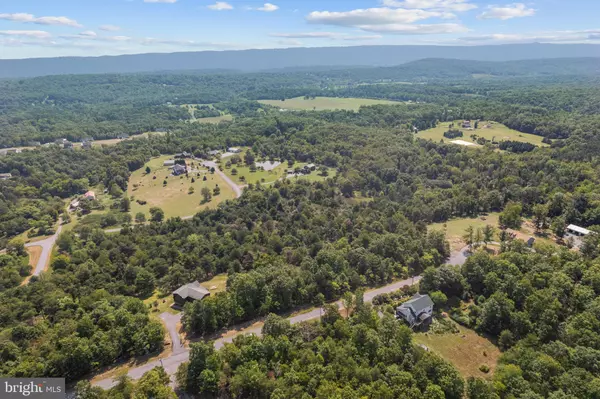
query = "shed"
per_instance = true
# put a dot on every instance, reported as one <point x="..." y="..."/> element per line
<point x="5" y="176"/>
<point x="90" y="195"/>
<point x="170" y="162"/>
<point x="189" y="293"/>
<point x="577" y="231"/>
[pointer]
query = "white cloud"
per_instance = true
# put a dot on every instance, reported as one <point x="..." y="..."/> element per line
<point x="571" y="36"/>
<point x="109" y="28"/>
<point x="290" y="42"/>
<point x="220" y="6"/>
<point x="160" y="1"/>
<point x="88" y="33"/>
<point x="268" y="7"/>
<point x="30" y="18"/>
<point x="38" y="34"/>
<point x="449" y="5"/>
<point x="150" y="41"/>
<point x="324" y="35"/>
<point x="370" y="16"/>
<point x="307" y="35"/>
<point x="516" y="10"/>
<point x="418" y="29"/>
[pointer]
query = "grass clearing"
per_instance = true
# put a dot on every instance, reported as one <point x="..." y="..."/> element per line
<point x="173" y="198"/>
<point x="216" y="284"/>
<point x="262" y="176"/>
<point x="215" y="119"/>
<point x="466" y="350"/>
<point x="325" y="103"/>
<point x="455" y="228"/>
<point x="160" y="304"/>
<point x="496" y="132"/>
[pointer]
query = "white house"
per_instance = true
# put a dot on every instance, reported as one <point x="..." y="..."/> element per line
<point x="235" y="150"/>
<point x="416" y="311"/>
<point x="577" y="231"/>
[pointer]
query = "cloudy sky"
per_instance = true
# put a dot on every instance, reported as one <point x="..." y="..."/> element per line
<point x="44" y="28"/>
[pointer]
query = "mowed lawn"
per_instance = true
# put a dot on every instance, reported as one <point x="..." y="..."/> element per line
<point x="325" y="103"/>
<point x="173" y="198"/>
<point x="466" y="350"/>
<point x="253" y="177"/>
<point x="455" y="228"/>
<point x="496" y="132"/>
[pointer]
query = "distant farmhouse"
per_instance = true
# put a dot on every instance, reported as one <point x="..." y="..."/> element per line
<point x="183" y="155"/>
<point x="87" y="142"/>
<point x="179" y="170"/>
<point x="466" y="124"/>
<point x="123" y="136"/>
<point x="214" y="152"/>
<point x="189" y="293"/>
<point x="235" y="150"/>
<point x="5" y="176"/>
<point x="417" y="311"/>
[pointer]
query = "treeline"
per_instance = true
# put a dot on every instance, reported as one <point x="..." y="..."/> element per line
<point x="542" y="307"/>
<point x="44" y="178"/>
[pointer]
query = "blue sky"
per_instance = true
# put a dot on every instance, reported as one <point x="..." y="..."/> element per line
<point x="44" y="28"/>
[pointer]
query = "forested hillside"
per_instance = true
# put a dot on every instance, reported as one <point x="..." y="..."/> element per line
<point x="360" y="220"/>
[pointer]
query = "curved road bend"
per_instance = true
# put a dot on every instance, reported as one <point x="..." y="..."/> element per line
<point x="47" y="246"/>
<point x="172" y="362"/>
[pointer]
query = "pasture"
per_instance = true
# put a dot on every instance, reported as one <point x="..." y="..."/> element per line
<point x="324" y="103"/>
<point x="466" y="350"/>
<point x="174" y="197"/>
<point x="495" y="132"/>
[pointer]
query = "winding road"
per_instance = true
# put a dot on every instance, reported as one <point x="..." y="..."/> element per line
<point x="47" y="246"/>
<point x="172" y="362"/>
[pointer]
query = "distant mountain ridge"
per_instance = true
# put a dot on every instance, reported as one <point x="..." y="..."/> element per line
<point x="271" y="59"/>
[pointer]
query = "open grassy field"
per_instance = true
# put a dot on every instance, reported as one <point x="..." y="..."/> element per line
<point x="216" y="284"/>
<point x="496" y="132"/>
<point x="215" y="119"/>
<point x="455" y="228"/>
<point x="324" y="103"/>
<point x="173" y="198"/>
<point x="466" y="350"/>
<point x="262" y="176"/>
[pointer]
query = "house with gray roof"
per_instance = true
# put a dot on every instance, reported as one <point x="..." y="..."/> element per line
<point x="189" y="293"/>
<point x="416" y="311"/>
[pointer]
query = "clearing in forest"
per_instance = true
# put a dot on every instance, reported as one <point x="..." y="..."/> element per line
<point x="466" y="350"/>
<point x="174" y="198"/>
<point x="325" y="103"/>
<point x="491" y="131"/>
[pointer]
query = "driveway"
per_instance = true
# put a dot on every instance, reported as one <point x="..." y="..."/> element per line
<point x="47" y="246"/>
<point x="212" y="164"/>
<point x="173" y="361"/>
<point x="171" y="321"/>
<point x="460" y="257"/>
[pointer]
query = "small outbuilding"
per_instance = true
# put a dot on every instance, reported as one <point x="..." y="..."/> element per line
<point x="577" y="231"/>
<point x="170" y="162"/>
<point x="234" y="150"/>
<point x="189" y="293"/>
<point x="90" y="195"/>
<point x="416" y="311"/>
<point x="5" y="176"/>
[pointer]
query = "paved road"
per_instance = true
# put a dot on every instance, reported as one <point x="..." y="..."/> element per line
<point x="47" y="246"/>
<point x="236" y="189"/>
<point x="173" y="361"/>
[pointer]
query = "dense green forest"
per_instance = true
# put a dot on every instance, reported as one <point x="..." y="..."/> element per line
<point x="289" y="244"/>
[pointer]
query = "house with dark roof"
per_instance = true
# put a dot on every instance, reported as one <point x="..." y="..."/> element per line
<point x="416" y="311"/>
<point x="189" y="293"/>
<point x="179" y="170"/>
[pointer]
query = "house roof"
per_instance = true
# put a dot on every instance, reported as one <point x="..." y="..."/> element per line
<point x="178" y="167"/>
<point x="192" y="290"/>
<point x="89" y="194"/>
<point x="578" y="229"/>
<point x="418" y="303"/>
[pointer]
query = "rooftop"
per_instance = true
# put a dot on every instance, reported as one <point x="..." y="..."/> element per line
<point x="578" y="229"/>
<point x="192" y="290"/>
<point x="418" y="303"/>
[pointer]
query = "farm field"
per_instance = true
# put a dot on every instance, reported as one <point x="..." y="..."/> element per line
<point x="465" y="349"/>
<point x="173" y="198"/>
<point x="215" y="119"/>
<point x="497" y="131"/>
<point x="218" y="283"/>
<point x="324" y="103"/>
